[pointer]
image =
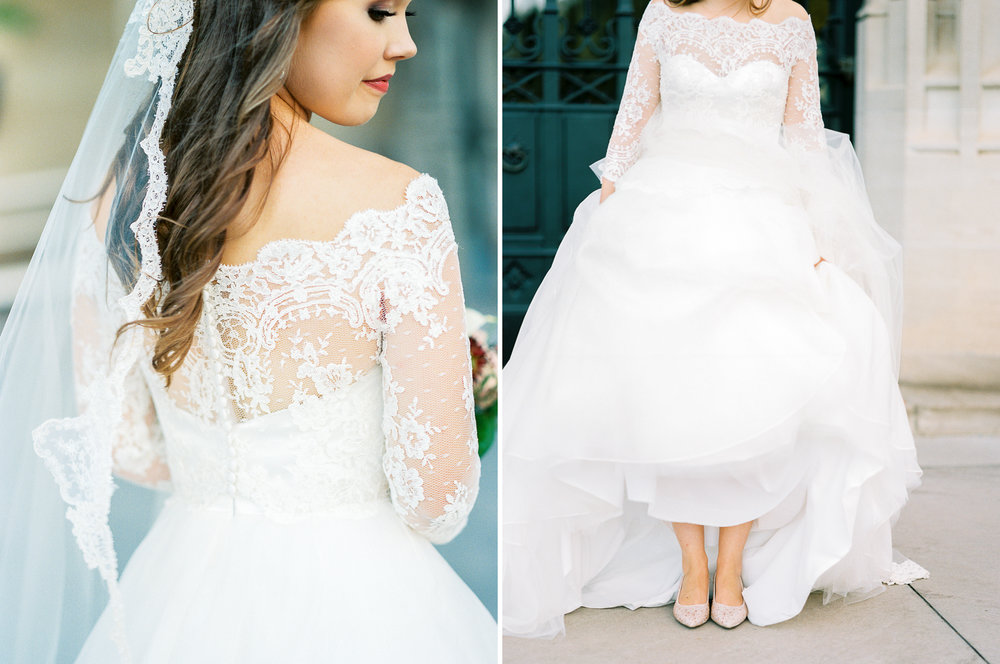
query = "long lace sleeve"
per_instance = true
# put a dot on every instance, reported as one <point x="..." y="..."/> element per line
<point x="431" y="458"/>
<point x="803" y="119"/>
<point x="138" y="448"/>
<point x="639" y="99"/>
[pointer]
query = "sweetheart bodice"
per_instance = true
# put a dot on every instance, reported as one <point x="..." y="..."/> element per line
<point x="719" y="70"/>
<point x="716" y="75"/>
<point x="751" y="97"/>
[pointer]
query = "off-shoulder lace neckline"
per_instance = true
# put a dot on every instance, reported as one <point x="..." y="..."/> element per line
<point x="729" y="19"/>
<point x="275" y="245"/>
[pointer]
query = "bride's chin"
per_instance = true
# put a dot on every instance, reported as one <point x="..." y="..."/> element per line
<point x="357" y="114"/>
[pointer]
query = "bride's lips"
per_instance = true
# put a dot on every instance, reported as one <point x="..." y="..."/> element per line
<point x="381" y="83"/>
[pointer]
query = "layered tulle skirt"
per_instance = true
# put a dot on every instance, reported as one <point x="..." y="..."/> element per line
<point x="210" y="586"/>
<point x="684" y="360"/>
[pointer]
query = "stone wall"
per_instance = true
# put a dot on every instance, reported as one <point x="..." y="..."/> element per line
<point x="50" y="76"/>
<point x="928" y="136"/>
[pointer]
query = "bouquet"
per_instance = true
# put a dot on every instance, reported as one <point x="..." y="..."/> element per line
<point x="485" y="370"/>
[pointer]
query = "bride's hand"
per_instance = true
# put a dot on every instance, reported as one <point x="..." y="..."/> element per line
<point x="607" y="188"/>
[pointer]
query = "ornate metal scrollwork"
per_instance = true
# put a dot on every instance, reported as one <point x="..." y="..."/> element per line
<point x="565" y="53"/>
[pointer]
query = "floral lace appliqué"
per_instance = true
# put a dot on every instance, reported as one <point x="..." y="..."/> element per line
<point x="686" y="67"/>
<point x="304" y="331"/>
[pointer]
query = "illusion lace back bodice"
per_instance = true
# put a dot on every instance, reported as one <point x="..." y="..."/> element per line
<point x="319" y="457"/>
<point x="325" y="377"/>
<point x="689" y="71"/>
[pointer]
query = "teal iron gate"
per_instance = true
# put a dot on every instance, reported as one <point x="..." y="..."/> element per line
<point x="563" y="71"/>
<point x="836" y="25"/>
<point x="564" y="66"/>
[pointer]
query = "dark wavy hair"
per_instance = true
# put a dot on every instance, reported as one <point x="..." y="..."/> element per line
<point x="219" y="130"/>
<point x="755" y="9"/>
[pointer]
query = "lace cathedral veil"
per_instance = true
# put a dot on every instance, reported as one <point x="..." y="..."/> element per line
<point x="50" y="426"/>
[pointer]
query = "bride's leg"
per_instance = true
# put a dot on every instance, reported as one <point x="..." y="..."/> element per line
<point x="730" y="563"/>
<point x="694" y="562"/>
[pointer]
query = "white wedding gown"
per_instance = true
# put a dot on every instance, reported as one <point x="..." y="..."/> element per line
<point x="683" y="360"/>
<point x="316" y="440"/>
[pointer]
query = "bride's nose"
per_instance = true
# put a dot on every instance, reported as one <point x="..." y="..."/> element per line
<point x="400" y="46"/>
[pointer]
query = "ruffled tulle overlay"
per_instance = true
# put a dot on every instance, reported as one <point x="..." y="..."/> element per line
<point x="207" y="586"/>
<point x="683" y="360"/>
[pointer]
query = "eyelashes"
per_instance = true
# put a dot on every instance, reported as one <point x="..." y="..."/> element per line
<point x="379" y="15"/>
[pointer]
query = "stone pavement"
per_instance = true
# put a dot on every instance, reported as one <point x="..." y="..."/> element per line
<point x="951" y="526"/>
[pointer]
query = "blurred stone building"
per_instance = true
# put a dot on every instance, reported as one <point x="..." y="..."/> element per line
<point x="50" y="72"/>
<point x="928" y="136"/>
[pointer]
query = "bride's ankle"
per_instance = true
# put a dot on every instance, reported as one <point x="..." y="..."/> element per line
<point x="694" y="565"/>
<point x="728" y="574"/>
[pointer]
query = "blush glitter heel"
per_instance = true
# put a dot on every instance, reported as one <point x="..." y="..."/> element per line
<point x="728" y="616"/>
<point x="691" y="615"/>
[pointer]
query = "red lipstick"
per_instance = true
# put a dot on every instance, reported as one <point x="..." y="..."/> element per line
<point x="381" y="83"/>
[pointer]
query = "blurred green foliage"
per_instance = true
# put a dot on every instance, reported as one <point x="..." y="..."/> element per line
<point x="15" y="18"/>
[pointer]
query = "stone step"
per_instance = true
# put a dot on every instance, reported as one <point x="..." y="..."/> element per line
<point x="952" y="411"/>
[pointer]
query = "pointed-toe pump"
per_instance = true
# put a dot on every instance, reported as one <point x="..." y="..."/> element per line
<point x="691" y="615"/>
<point x="728" y="616"/>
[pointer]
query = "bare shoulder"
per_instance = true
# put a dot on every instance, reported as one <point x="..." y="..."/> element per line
<point x="357" y="176"/>
<point x="386" y="179"/>
<point x="322" y="182"/>
<point x="779" y="10"/>
<point x="354" y="179"/>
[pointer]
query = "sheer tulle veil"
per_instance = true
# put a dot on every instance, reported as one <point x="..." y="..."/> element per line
<point x="55" y="471"/>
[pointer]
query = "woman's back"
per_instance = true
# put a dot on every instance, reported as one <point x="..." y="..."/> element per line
<point x="348" y="273"/>
<point x="326" y="401"/>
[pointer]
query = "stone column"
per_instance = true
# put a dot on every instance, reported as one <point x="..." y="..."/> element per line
<point x="928" y="120"/>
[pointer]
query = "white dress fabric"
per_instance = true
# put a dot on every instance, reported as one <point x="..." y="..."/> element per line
<point x="319" y="436"/>
<point x="683" y="360"/>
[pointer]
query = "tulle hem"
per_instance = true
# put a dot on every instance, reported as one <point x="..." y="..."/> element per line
<point x="207" y="586"/>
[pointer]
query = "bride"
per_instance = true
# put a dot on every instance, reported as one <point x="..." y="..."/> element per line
<point x="706" y="380"/>
<point x="232" y="305"/>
